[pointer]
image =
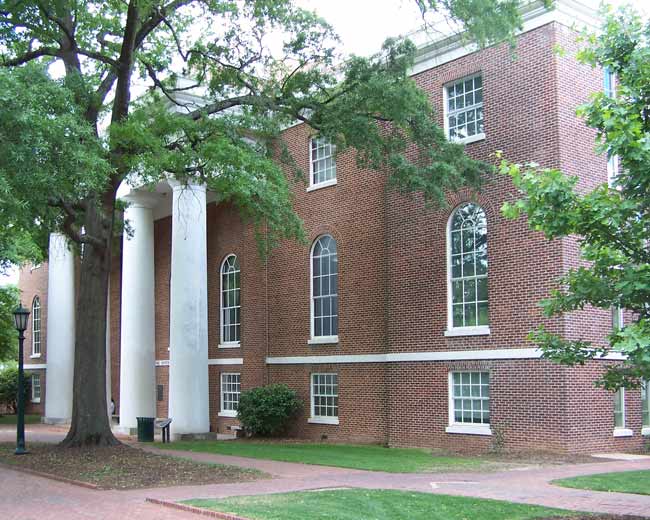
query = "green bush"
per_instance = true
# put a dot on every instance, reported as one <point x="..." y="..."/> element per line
<point x="9" y="386"/>
<point x="268" y="410"/>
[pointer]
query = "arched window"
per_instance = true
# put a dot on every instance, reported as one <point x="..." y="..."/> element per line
<point x="36" y="327"/>
<point x="230" y="302"/>
<point x="324" y="289"/>
<point x="468" y="268"/>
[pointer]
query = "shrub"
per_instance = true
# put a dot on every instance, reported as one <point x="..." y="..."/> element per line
<point x="9" y="386"/>
<point x="268" y="410"/>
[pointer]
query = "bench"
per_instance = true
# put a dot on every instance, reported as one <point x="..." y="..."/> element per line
<point x="163" y="424"/>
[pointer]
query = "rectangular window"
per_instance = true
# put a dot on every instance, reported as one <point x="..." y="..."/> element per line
<point x="612" y="169"/>
<point x="322" y="161"/>
<point x="464" y="109"/>
<point x="470" y="398"/>
<point x="36" y="388"/>
<point x="230" y="391"/>
<point x="617" y="318"/>
<point x="645" y="403"/>
<point x="325" y="398"/>
<point x="609" y="82"/>
<point x="619" y="408"/>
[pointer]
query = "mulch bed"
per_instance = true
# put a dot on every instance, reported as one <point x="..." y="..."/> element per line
<point x="122" y="467"/>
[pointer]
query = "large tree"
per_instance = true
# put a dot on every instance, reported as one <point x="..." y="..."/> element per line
<point x="611" y="221"/>
<point x="260" y="65"/>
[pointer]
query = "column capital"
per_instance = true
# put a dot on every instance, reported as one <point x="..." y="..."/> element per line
<point x="192" y="185"/>
<point x="141" y="199"/>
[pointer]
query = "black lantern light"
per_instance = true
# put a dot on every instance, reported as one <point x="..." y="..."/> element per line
<point x="21" y="317"/>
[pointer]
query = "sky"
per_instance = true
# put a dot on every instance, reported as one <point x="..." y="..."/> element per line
<point x="363" y="25"/>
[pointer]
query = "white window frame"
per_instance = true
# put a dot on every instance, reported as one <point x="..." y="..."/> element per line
<point x="35" y="398"/>
<point x="222" y="343"/>
<point x="37" y="322"/>
<point x="320" y="419"/>
<point x="222" y="411"/>
<point x="645" y="390"/>
<point x="621" y="431"/>
<point x="321" y="340"/>
<point x="480" y="330"/>
<point x="448" y="114"/>
<point x="323" y="184"/>
<point x="617" y="314"/>
<point x="461" y="427"/>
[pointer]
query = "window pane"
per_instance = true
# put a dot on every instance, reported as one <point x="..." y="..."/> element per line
<point x="325" y="287"/>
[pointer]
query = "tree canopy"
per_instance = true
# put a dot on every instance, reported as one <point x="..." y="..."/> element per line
<point x="611" y="221"/>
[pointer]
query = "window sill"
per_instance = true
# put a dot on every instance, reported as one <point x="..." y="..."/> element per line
<point x="468" y="331"/>
<point x="468" y="140"/>
<point x="469" y="429"/>
<point x="233" y="344"/>
<point x="645" y="431"/>
<point x="227" y="413"/>
<point x="323" y="340"/>
<point x="323" y="420"/>
<point x="324" y="184"/>
<point x="36" y="401"/>
<point x="623" y="432"/>
<point x="34" y="356"/>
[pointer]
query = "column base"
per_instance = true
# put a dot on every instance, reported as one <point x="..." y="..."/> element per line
<point x="55" y="420"/>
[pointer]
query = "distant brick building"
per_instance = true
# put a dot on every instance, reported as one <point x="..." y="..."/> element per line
<point x="398" y="323"/>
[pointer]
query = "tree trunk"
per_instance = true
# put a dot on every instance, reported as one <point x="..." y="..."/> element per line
<point x="90" y="424"/>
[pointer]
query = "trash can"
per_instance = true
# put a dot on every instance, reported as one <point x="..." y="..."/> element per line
<point x="145" y="429"/>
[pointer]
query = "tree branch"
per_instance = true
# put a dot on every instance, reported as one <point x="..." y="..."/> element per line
<point x="30" y="56"/>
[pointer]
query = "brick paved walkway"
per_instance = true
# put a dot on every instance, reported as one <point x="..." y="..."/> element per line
<point x="29" y="497"/>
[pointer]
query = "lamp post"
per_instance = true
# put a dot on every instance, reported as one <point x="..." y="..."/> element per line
<point x="21" y="317"/>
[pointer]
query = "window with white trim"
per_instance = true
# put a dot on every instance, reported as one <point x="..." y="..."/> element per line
<point x="464" y="109"/>
<point x="609" y="82"/>
<point x="230" y="392"/>
<point x="619" y="408"/>
<point x="36" y="388"/>
<point x="613" y="161"/>
<point x="645" y="403"/>
<point x="470" y="398"/>
<point x="36" y="326"/>
<point x="468" y="268"/>
<point x="230" y="302"/>
<point x="324" y="289"/>
<point x="322" y="159"/>
<point x="617" y="318"/>
<point x="325" y="398"/>
<point x="613" y="166"/>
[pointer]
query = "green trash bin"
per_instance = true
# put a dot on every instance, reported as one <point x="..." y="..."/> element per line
<point x="145" y="429"/>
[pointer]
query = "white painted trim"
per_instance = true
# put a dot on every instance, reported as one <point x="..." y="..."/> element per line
<point x="323" y="420"/>
<point x="623" y="432"/>
<point x="445" y="109"/>
<point x="324" y="184"/>
<point x="323" y="340"/>
<point x="218" y="361"/>
<point x="35" y="366"/>
<point x="227" y="413"/>
<point x="231" y="344"/>
<point x="226" y="361"/>
<point x="483" y="330"/>
<point x="469" y="429"/>
<point x="566" y="12"/>
<point x="645" y="431"/>
<point x="222" y="412"/>
<point x="457" y="355"/>
<point x="35" y="356"/>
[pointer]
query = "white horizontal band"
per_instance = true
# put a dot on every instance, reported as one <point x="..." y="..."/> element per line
<point x="34" y="366"/>
<point x="220" y="361"/>
<point x="449" y="355"/>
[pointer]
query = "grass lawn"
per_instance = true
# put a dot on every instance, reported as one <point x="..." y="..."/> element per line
<point x="11" y="419"/>
<point x="637" y="482"/>
<point x="374" y="458"/>
<point x="364" y="504"/>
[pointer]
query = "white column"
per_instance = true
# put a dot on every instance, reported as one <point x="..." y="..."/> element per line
<point x="137" y="339"/>
<point x="188" y="330"/>
<point x="60" y="331"/>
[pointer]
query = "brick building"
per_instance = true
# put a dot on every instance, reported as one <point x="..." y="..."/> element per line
<point x="398" y="323"/>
